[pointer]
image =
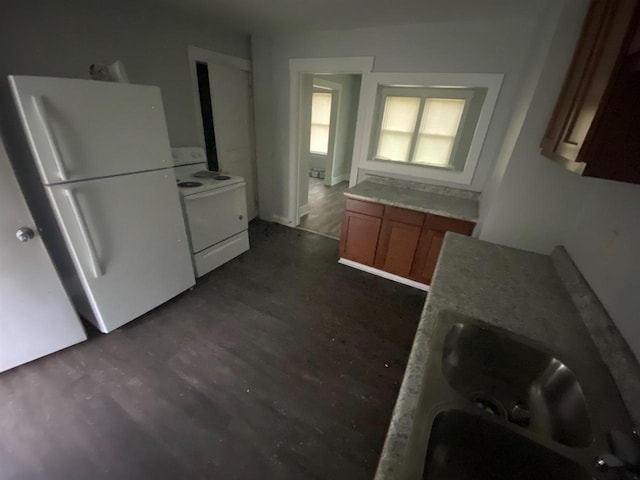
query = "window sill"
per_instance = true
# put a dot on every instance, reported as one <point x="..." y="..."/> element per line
<point x="447" y="168"/>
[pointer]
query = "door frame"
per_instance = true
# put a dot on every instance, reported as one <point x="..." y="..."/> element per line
<point x="212" y="58"/>
<point x="197" y="54"/>
<point x="297" y="68"/>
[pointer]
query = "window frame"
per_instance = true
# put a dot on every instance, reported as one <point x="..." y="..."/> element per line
<point x="363" y="164"/>
<point x="423" y="93"/>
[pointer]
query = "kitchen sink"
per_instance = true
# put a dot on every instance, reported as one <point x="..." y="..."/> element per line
<point x="510" y="378"/>
<point x="464" y="446"/>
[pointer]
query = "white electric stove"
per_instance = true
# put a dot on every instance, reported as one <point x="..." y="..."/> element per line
<point x="215" y="210"/>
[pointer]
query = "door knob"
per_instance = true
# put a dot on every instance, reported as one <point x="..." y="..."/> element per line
<point x="24" y="234"/>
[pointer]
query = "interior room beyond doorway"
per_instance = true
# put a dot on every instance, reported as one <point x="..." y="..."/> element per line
<point x="328" y="114"/>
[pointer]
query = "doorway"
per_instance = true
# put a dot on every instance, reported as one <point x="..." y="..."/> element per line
<point x="328" y="114"/>
<point x="224" y="111"/>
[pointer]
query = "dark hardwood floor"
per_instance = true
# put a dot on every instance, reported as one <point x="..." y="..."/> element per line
<point x="326" y="208"/>
<point x="281" y="364"/>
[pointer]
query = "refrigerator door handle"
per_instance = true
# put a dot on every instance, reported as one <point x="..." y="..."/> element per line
<point x="84" y="232"/>
<point x="38" y="105"/>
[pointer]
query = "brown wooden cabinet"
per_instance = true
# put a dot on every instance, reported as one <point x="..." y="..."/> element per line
<point x="360" y="231"/>
<point x="403" y="242"/>
<point x="431" y="239"/>
<point x="398" y="242"/>
<point x="593" y="128"/>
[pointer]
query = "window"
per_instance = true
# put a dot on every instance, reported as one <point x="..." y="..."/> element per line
<point x="320" y="122"/>
<point x="426" y="126"/>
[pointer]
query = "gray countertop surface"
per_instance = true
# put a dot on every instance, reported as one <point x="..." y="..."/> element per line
<point x="448" y="202"/>
<point x="517" y="290"/>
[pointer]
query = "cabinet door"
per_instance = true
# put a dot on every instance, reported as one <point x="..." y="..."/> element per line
<point x="430" y="244"/>
<point x="615" y="146"/>
<point x="359" y="237"/>
<point x="594" y="61"/>
<point x="399" y="238"/>
<point x="427" y="254"/>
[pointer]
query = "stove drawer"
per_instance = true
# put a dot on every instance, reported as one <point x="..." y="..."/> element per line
<point x="215" y="215"/>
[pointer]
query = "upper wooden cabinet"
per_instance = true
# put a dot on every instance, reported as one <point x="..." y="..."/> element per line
<point x="593" y="128"/>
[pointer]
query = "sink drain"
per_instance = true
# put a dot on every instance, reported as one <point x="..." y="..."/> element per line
<point x="487" y="403"/>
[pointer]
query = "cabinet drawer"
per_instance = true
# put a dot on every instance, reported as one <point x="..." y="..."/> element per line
<point x="410" y="217"/>
<point x="367" y="208"/>
<point x="446" y="224"/>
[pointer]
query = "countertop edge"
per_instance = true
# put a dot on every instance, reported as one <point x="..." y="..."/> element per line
<point x="416" y="208"/>
<point x="613" y="348"/>
<point x="396" y="443"/>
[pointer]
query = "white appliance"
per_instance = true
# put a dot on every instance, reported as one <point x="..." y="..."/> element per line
<point x="215" y="209"/>
<point x="103" y="159"/>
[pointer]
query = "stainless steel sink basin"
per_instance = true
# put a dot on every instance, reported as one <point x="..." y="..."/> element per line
<point x="504" y="376"/>
<point x="497" y="405"/>
<point x="464" y="446"/>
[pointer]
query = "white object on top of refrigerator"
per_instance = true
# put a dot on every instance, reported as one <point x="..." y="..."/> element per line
<point x="103" y="156"/>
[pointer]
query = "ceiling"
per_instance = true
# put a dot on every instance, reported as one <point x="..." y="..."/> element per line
<point x="298" y="15"/>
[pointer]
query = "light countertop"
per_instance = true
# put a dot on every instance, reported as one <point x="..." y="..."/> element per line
<point x="530" y="294"/>
<point x="444" y="201"/>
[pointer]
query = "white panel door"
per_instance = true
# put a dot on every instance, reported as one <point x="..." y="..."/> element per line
<point x="127" y="238"/>
<point x="233" y="124"/>
<point x="81" y="129"/>
<point x="216" y="215"/>
<point x="36" y="316"/>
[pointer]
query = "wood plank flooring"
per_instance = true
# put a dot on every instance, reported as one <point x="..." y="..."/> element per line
<point x="327" y="208"/>
<point x="281" y="364"/>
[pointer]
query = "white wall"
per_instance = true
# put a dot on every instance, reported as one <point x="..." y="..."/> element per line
<point x="54" y="38"/>
<point x="534" y="204"/>
<point x="536" y="199"/>
<point x="604" y="242"/>
<point x="477" y="46"/>
<point x="345" y="135"/>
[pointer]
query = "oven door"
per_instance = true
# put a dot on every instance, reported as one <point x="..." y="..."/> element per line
<point x="215" y="215"/>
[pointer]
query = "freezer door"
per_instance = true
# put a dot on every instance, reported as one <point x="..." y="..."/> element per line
<point x="82" y="129"/>
<point x="127" y="238"/>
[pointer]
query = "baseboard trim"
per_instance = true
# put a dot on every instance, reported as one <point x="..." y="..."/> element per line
<point x="316" y="233"/>
<point x="383" y="274"/>
<point x="304" y="210"/>
<point x="279" y="219"/>
<point x="337" y="179"/>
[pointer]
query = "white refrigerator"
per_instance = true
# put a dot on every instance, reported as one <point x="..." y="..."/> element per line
<point x="102" y="155"/>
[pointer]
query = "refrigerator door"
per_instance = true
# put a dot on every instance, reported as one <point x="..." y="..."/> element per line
<point x="36" y="316"/>
<point x="82" y="129"/>
<point x="126" y="235"/>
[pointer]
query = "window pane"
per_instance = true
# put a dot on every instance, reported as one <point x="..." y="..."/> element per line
<point x="400" y="113"/>
<point x="434" y="150"/>
<point x="394" y="146"/>
<point x="441" y="116"/>
<point x="319" y="142"/>
<point x="321" y="108"/>
<point x="398" y="124"/>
